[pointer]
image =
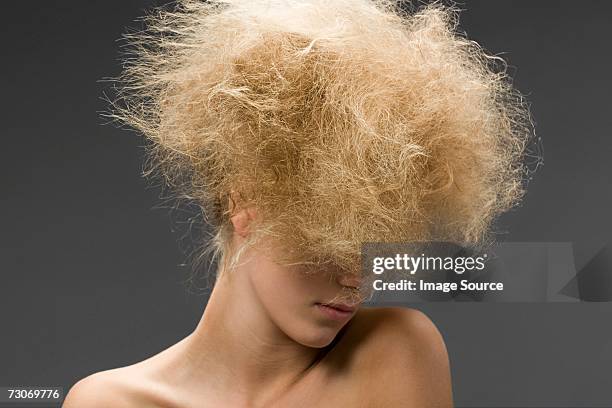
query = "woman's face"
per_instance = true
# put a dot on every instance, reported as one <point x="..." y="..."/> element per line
<point x="309" y="304"/>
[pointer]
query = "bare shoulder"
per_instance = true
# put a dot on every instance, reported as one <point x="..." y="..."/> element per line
<point x="102" y="389"/>
<point x="403" y="327"/>
<point x="404" y="351"/>
<point x="396" y="327"/>
<point x="123" y="387"/>
<point x="143" y="384"/>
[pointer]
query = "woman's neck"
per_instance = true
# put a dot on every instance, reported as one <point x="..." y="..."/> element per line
<point x="240" y="347"/>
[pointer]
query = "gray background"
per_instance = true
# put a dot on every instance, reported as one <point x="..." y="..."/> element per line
<point x="90" y="264"/>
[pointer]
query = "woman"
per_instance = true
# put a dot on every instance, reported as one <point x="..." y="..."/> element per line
<point x="303" y="129"/>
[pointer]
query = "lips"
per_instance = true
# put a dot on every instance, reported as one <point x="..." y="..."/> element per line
<point x="340" y="307"/>
<point x="336" y="311"/>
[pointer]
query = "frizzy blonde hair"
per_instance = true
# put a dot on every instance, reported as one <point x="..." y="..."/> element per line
<point x="341" y="121"/>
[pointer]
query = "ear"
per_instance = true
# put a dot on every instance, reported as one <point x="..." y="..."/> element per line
<point x="242" y="220"/>
<point x="241" y="217"/>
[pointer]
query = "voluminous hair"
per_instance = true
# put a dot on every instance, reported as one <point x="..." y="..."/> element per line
<point x="340" y="121"/>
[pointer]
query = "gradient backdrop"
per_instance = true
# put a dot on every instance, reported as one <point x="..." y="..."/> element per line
<point x="90" y="264"/>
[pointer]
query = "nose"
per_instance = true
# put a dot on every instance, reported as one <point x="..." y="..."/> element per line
<point x="350" y="280"/>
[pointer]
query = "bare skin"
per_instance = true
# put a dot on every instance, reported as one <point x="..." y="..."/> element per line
<point x="264" y="341"/>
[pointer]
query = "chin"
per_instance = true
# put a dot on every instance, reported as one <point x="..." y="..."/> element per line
<point x="317" y="338"/>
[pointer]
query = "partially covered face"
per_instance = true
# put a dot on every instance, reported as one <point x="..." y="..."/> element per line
<point x="308" y="301"/>
<point x="309" y="304"/>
